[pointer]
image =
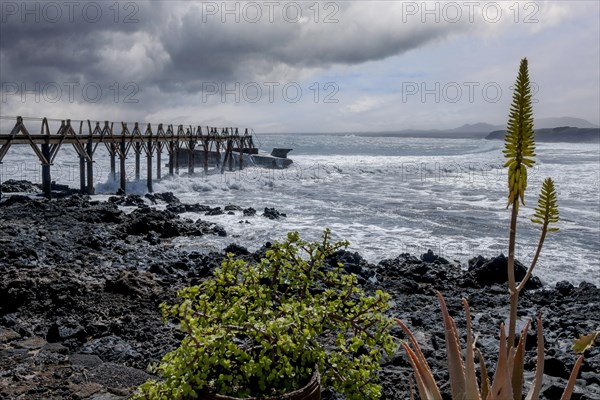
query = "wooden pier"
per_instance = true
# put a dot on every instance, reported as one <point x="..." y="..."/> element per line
<point x="119" y="140"/>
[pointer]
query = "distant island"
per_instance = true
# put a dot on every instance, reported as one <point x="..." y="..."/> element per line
<point x="559" y="134"/>
<point x="554" y="129"/>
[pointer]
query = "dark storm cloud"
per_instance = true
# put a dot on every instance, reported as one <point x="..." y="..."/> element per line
<point x="179" y="46"/>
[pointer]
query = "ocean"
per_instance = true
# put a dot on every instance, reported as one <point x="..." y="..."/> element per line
<point x="386" y="195"/>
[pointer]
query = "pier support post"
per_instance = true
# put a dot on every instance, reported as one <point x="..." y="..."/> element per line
<point x="176" y="157"/>
<point x="149" y="149"/>
<point x="138" y="149"/>
<point x="205" y="145"/>
<point x="171" y="157"/>
<point x="122" y="171"/>
<point x="90" y="167"/>
<point x="242" y="140"/>
<point x="82" y="185"/>
<point x="191" y="158"/>
<point x="113" y="164"/>
<point x="230" y="151"/>
<point x="158" y="161"/>
<point x="46" y="179"/>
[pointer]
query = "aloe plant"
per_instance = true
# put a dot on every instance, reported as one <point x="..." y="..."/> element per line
<point x="508" y="377"/>
<point x="507" y="383"/>
<point x="519" y="149"/>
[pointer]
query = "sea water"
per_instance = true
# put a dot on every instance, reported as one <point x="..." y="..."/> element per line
<point x="386" y="195"/>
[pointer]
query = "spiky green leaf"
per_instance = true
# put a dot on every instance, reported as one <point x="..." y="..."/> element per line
<point x="585" y="342"/>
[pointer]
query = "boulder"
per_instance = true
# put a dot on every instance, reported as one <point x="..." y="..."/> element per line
<point x="486" y="272"/>
<point x="272" y="213"/>
<point x="430" y="257"/>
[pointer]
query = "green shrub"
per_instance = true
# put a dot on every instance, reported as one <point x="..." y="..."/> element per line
<point x="260" y="330"/>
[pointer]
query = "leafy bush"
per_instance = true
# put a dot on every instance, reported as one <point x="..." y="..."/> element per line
<point x="260" y="330"/>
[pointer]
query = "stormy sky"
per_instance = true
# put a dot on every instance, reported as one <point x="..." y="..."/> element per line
<point x="297" y="66"/>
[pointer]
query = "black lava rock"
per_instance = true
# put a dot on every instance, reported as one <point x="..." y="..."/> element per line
<point x="272" y="213"/>
<point x="430" y="257"/>
<point x="249" y="212"/>
<point x="487" y="272"/>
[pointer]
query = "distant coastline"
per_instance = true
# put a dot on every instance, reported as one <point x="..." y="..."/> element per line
<point x="561" y="129"/>
<point x="559" y="134"/>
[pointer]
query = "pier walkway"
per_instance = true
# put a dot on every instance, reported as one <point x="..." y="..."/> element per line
<point x="119" y="139"/>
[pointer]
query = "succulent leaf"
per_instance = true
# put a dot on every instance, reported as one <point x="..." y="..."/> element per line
<point x="584" y="342"/>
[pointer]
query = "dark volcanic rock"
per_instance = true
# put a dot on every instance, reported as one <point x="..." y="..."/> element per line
<point x="60" y="331"/>
<point x="430" y="257"/>
<point x="236" y="250"/>
<point x="215" y="211"/>
<point x="131" y="284"/>
<point x="353" y="264"/>
<point x="15" y="186"/>
<point x="272" y="213"/>
<point x="166" y="197"/>
<point x="205" y="228"/>
<point x="249" y="212"/>
<point x="117" y="376"/>
<point x="181" y="208"/>
<point x="111" y="348"/>
<point x="165" y="223"/>
<point x="129" y="200"/>
<point x="89" y="278"/>
<point x="564" y="287"/>
<point x="487" y="272"/>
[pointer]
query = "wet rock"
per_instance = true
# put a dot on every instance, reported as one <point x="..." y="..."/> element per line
<point x="232" y="207"/>
<point x="166" y="197"/>
<point x="15" y="199"/>
<point x="486" y="272"/>
<point x="236" y="250"/>
<point x="104" y="213"/>
<point x="164" y="223"/>
<point x="15" y="186"/>
<point x="210" y="228"/>
<point x="181" y="208"/>
<point x="565" y="288"/>
<point x="60" y="331"/>
<point x="131" y="200"/>
<point x="111" y="348"/>
<point x="430" y="257"/>
<point x="249" y="212"/>
<point x="353" y="264"/>
<point x="215" y="211"/>
<point x="272" y="213"/>
<point x="152" y="238"/>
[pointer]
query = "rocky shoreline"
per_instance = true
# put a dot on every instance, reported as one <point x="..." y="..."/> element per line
<point x="81" y="282"/>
